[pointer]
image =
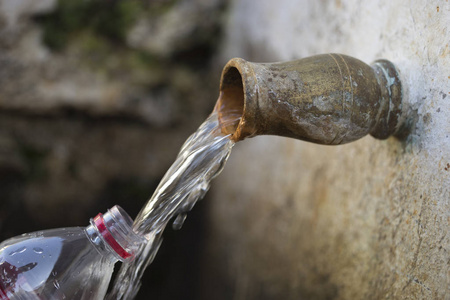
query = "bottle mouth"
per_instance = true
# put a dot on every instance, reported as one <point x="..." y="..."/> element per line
<point x="99" y="222"/>
<point x="116" y="229"/>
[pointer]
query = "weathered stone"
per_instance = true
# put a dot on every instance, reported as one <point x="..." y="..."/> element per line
<point x="366" y="220"/>
<point x="186" y="25"/>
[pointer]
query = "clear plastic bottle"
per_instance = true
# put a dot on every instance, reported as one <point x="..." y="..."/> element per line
<point x="67" y="263"/>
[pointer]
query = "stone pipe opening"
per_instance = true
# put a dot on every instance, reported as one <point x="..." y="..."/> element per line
<point x="231" y="102"/>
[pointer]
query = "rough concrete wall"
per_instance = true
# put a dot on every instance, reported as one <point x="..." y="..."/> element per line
<point x="367" y="220"/>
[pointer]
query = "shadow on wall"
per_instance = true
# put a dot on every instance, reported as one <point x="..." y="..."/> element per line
<point x="96" y="99"/>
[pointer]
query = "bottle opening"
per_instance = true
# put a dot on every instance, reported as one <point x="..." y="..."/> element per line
<point x="116" y="229"/>
<point x="99" y="222"/>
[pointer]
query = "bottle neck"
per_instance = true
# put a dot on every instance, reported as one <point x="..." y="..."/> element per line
<point x="112" y="234"/>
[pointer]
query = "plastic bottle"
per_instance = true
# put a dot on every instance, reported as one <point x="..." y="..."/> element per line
<point x="67" y="263"/>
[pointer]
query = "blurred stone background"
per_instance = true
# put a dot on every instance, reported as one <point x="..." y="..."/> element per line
<point x="96" y="98"/>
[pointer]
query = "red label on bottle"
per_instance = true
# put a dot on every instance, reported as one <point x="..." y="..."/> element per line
<point x="3" y="294"/>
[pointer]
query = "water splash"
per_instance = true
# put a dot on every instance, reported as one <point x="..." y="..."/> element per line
<point x="201" y="159"/>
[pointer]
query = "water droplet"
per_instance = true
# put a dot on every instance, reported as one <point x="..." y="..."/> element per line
<point x="179" y="221"/>
<point x="188" y="206"/>
<point x="20" y="250"/>
<point x="38" y="250"/>
<point x="56" y="284"/>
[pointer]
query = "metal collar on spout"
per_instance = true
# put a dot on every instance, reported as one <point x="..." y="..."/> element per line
<point x="327" y="99"/>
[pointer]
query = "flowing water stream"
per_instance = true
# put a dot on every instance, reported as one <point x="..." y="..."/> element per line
<point x="201" y="158"/>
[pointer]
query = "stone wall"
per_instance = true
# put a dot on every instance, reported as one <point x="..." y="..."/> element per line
<point x="366" y="220"/>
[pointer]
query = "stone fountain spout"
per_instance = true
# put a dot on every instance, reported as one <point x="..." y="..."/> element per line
<point x="327" y="99"/>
